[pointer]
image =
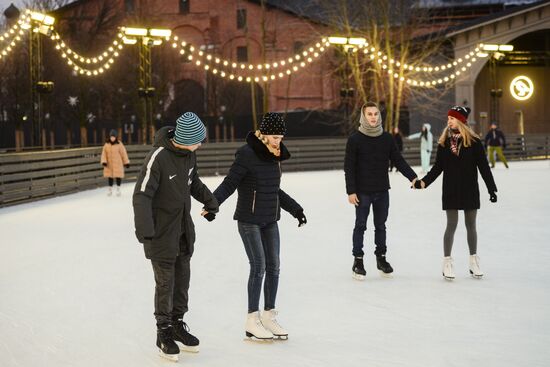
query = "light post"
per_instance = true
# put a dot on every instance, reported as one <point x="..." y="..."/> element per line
<point x="38" y="24"/>
<point x="146" y="39"/>
<point x="349" y="46"/>
<point x="497" y="54"/>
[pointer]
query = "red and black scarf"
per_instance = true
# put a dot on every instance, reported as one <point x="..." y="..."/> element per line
<point x="455" y="143"/>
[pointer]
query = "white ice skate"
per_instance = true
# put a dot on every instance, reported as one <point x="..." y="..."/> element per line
<point x="448" y="271"/>
<point x="170" y="357"/>
<point x="118" y="193"/>
<point x="255" y="331"/>
<point x="474" y="267"/>
<point x="110" y="191"/>
<point x="269" y="321"/>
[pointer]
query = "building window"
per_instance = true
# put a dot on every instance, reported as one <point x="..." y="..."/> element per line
<point x="298" y="47"/>
<point x="242" y="54"/>
<point x="241" y="18"/>
<point x="184" y="6"/>
<point x="129" y="6"/>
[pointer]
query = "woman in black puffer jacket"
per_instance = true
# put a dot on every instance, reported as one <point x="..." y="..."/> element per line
<point x="256" y="175"/>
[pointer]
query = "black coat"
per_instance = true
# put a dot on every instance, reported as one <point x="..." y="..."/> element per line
<point x="367" y="161"/>
<point x="460" y="188"/>
<point x="256" y="175"/>
<point x="398" y="141"/>
<point x="162" y="200"/>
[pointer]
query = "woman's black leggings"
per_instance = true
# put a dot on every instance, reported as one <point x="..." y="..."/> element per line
<point x="452" y="221"/>
<point x="118" y="181"/>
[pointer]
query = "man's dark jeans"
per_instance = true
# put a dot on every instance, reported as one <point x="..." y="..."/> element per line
<point x="262" y="244"/>
<point x="380" y="202"/>
<point x="171" y="289"/>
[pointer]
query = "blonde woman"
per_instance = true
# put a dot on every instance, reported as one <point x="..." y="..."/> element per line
<point x="460" y="155"/>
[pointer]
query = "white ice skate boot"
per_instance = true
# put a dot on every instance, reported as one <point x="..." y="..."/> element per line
<point x="474" y="267"/>
<point x="448" y="271"/>
<point x="255" y="330"/>
<point x="118" y="193"/>
<point x="269" y="321"/>
<point x="110" y="191"/>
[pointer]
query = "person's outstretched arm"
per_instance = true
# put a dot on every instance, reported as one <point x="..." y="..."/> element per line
<point x="230" y="183"/>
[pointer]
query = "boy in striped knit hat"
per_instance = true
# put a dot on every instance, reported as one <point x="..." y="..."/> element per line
<point x="163" y="224"/>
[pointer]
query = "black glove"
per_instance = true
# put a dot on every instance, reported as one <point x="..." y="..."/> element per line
<point x="418" y="184"/>
<point x="209" y="216"/>
<point x="127" y="165"/>
<point x="302" y="221"/>
<point x="104" y="164"/>
<point x="493" y="197"/>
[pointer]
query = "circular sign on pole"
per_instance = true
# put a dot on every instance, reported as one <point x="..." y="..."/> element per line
<point x="521" y="88"/>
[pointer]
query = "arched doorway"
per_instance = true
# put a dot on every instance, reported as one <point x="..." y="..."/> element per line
<point x="236" y="106"/>
<point x="188" y="95"/>
<point x="494" y="98"/>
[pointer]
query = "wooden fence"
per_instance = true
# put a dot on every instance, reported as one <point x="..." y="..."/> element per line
<point x="36" y="175"/>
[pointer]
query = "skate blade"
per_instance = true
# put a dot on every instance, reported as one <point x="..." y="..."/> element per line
<point x="448" y="278"/>
<point x="358" y="276"/>
<point x="252" y="338"/>
<point x="170" y="357"/>
<point x="280" y="337"/>
<point x="188" y="349"/>
<point x="386" y="275"/>
<point x="479" y="276"/>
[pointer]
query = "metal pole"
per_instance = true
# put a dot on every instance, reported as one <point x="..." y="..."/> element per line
<point x="35" y="68"/>
<point x="142" y="89"/>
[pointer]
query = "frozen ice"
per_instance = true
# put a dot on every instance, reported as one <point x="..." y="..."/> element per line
<point x="76" y="290"/>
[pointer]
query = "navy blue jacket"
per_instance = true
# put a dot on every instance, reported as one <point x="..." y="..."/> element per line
<point x="495" y="138"/>
<point x="256" y="175"/>
<point x="367" y="161"/>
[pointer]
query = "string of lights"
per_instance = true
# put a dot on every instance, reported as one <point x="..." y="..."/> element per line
<point x="248" y="72"/>
<point x="13" y="35"/>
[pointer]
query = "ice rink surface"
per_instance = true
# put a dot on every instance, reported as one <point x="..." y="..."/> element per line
<point x="76" y="290"/>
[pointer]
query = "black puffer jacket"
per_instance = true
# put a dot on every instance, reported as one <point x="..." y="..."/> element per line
<point x="256" y="175"/>
<point x="460" y="188"/>
<point x="162" y="199"/>
<point x="367" y="161"/>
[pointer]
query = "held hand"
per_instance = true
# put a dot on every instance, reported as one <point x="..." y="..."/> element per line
<point x="104" y="164"/>
<point x="302" y="221"/>
<point x="208" y="216"/>
<point x="127" y="165"/>
<point x="353" y="199"/>
<point x="419" y="184"/>
<point x="493" y="197"/>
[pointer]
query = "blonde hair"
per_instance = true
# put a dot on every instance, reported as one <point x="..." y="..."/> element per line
<point x="464" y="129"/>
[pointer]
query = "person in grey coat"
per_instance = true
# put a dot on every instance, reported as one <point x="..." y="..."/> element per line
<point x="163" y="224"/>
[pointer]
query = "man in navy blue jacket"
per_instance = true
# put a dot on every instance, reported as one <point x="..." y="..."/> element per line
<point x="368" y="153"/>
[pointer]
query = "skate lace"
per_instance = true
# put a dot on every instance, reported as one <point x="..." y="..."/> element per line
<point x="475" y="262"/>
<point x="448" y="266"/>
<point x="273" y="319"/>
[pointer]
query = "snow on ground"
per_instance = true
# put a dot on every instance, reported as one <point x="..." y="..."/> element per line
<point x="76" y="290"/>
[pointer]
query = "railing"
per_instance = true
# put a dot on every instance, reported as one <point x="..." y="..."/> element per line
<point x="37" y="175"/>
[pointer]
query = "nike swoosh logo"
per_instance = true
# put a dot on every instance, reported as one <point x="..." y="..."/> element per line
<point x="172" y="176"/>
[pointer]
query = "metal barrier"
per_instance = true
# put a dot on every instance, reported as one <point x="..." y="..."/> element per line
<point x="36" y="175"/>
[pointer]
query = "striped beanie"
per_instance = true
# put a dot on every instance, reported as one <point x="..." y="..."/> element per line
<point x="189" y="129"/>
<point x="273" y="124"/>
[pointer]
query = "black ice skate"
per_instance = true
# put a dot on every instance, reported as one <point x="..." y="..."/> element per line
<point x="165" y="342"/>
<point x="190" y="343"/>
<point x="385" y="268"/>
<point x="358" y="269"/>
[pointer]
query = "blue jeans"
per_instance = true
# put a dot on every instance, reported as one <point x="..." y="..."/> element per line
<point x="380" y="202"/>
<point x="262" y="244"/>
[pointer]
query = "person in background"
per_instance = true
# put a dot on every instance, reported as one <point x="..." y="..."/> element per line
<point x="368" y="153"/>
<point x="426" y="146"/>
<point x="114" y="158"/>
<point x="460" y="155"/>
<point x="495" y="142"/>
<point x="398" y="138"/>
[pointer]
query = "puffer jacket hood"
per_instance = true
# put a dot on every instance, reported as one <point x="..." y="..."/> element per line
<point x="427" y="126"/>
<point x="163" y="138"/>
